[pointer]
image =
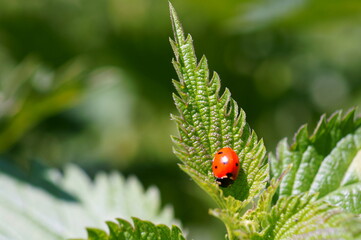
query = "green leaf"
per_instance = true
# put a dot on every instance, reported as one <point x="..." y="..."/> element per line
<point x="46" y="204"/>
<point x="327" y="162"/>
<point x="208" y="121"/>
<point x="142" y="230"/>
<point x="96" y="234"/>
<point x="292" y="217"/>
<point x="249" y="225"/>
<point x="302" y="217"/>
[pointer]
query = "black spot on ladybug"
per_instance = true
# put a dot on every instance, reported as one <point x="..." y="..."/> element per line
<point x="215" y="167"/>
<point x="229" y="175"/>
<point x="220" y="152"/>
<point x="236" y="164"/>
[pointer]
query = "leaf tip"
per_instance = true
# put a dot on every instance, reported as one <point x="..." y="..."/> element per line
<point x="176" y="25"/>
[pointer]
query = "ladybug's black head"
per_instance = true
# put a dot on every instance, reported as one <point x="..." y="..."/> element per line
<point x="225" y="181"/>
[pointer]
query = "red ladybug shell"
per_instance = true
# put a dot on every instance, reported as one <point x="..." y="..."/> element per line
<point x="225" y="166"/>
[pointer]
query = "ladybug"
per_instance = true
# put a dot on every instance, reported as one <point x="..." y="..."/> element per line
<point x="225" y="166"/>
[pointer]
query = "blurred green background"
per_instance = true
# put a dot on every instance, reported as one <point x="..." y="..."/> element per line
<point x="89" y="81"/>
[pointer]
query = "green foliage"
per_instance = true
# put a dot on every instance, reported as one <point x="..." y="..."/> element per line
<point x="323" y="167"/>
<point x="45" y="204"/>
<point x="327" y="162"/>
<point x="142" y="230"/>
<point x="31" y="92"/>
<point x="294" y="14"/>
<point x="298" y="216"/>
<point x="301" y="217"/>
<point x="208" y="121"/>
<point x="274" y="61"/>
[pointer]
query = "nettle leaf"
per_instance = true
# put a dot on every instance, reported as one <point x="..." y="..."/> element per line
<point x="252" y="222"/>
<point x="328" y="162"/>
<point x="142" y="230"/>
<point x="292" y="217"/>
<point x="47" y="204"/>
<point x="208" y="121"/>
<point x="302" y="217"/>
